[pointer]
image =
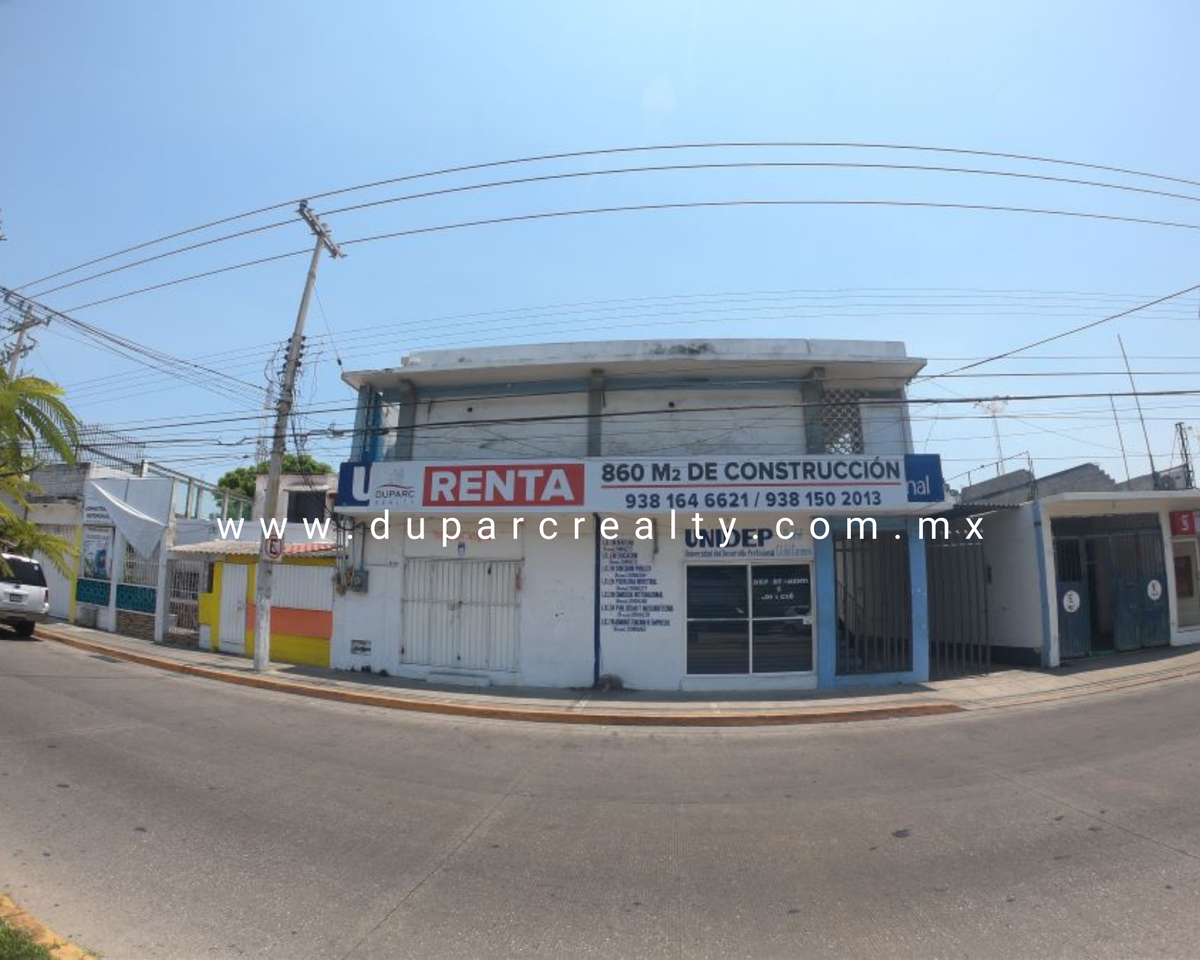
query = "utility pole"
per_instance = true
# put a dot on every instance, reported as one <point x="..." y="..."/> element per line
<point x="21" y="327"/>
<point x="266" y="568"/>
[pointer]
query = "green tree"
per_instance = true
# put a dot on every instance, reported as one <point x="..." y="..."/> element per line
<point x="33" y="414"/>
<point x="242" y="479"/>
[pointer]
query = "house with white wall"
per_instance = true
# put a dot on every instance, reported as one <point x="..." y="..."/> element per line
<point x="1081" y="574"/>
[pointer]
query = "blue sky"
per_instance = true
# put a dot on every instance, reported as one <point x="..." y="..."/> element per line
<point x="128" y="120"/>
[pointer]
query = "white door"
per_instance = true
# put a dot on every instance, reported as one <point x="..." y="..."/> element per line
<point x="234" y="581"/>
<point x="462" y="614"/>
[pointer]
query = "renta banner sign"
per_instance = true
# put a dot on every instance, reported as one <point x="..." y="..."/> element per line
<point x="818" y="484"/>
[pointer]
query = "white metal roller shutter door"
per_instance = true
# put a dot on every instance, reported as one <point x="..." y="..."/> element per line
<point x="462" y="613"/>
<point x="302" y="587"/>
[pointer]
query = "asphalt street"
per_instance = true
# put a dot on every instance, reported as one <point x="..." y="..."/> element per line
<point x="153" y="815"/>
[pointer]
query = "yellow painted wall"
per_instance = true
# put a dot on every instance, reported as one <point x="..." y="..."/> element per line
<point x="285" y="648"/>
<point x="210" y="608"/>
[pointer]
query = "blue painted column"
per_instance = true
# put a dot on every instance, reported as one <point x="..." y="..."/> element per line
<point x="1039" y="542"/>
<point x="918" y="580"/>
<point x="596" y="603"/>
<point x="825" y="571"/>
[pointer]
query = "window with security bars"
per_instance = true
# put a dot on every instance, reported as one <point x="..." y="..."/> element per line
<point x="139" y="570"/>
<point x="842" y="422"/>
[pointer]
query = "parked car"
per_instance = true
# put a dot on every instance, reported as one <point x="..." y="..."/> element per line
<point x="24" y="596"/>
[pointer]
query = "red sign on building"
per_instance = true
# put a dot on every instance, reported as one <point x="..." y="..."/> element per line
<point x="1183" y="523"/>
<point x="504" y="485"/>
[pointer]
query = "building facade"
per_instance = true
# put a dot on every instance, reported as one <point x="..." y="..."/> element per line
<point x="1081" y="574"/>
<point x="225" y="563"/>
<point x="123" y="518"/>
<point x="670" y="514"/>
<point x="302" y="599"/>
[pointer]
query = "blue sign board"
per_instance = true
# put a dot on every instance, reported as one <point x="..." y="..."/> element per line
<point x="923" y="474"/>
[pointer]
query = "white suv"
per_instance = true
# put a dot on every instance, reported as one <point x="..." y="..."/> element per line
<point x="24" y="596"/>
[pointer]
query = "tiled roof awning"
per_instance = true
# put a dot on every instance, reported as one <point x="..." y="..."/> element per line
<point x="250" y="548"/>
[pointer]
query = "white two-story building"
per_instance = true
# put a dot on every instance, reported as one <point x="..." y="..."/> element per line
<point x="670" y="513"/>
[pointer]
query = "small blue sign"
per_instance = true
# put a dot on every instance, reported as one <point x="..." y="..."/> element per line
<point x="352" y="490"/>
<point x="923" y="477"/>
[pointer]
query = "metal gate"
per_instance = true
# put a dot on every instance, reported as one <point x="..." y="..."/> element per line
<point x="874" y="606"/>
<point x="1074" y="598"/>
<point x="462" y="614"/>
<point x="186" y="580"/>
<point x="959" y="641"/>
<point x="1111" y="574"/>
<point x="1140" y="572"/>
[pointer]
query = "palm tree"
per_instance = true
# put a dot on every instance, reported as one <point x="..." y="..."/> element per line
<point x="33" y="416"/>
<point x="33" y="413"/>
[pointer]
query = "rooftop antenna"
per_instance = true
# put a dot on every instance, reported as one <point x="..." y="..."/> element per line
<point x="993" y="408"/>
<point x="1185" y="452"/>
<point x="1120" y="439"/>
<point x="1138" y="400"/>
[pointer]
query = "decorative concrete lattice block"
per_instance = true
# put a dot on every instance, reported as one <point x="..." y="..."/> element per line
<point x="842" y="421"/>
<point x="95" y="592"/>
<point x="135" y="598"/>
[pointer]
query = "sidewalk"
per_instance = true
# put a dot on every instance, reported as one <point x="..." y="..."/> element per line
<point x="1003" y="688"/>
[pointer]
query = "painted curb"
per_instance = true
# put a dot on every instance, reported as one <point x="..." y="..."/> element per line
<point x="744" y="718"/>
<point x="42" y="935"/>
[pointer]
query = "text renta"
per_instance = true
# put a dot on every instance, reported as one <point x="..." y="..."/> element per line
<point x="521" y="486"/>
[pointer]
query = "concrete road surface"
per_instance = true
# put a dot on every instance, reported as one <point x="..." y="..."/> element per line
<point x="153" y="815"/>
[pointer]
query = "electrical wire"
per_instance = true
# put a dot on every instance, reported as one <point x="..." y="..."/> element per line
<point x="614" y="151"/>
<point x="712" y="300"/>
<point x="243" y="415"/>
<point x="667" y="168"/>
<point x="645" y="208"/>
<point x="718" y="204"/>
<point x="196" y="276"/>
<point x="1067" y="333"/>
<point x="658" y="411"/>
<point x="381" y="335"/>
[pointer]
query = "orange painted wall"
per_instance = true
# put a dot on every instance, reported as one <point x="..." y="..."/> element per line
<point x="299" y="623"/>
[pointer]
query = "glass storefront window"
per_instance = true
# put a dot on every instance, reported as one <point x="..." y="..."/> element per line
<point x="749" y="618"/>
<point x="718" y="646"/>
<point x="717" y="593"/>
